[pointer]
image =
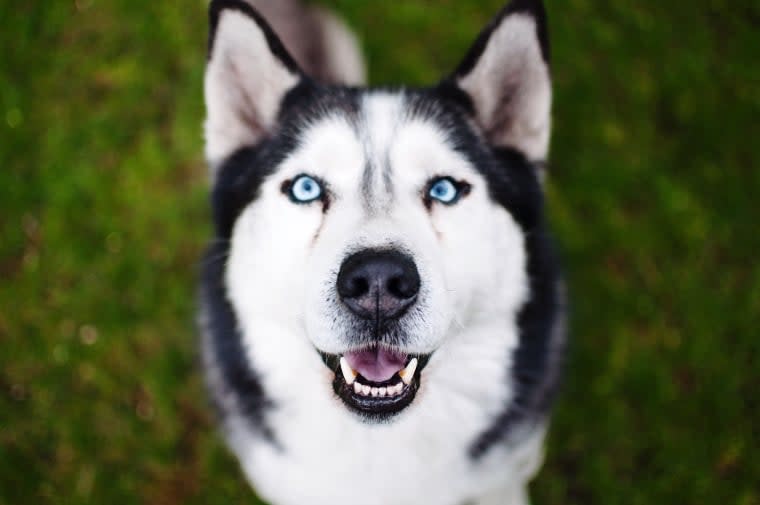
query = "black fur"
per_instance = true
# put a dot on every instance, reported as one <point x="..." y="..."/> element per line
<point x="237" y="377"/>
<point x="538" y="358"/>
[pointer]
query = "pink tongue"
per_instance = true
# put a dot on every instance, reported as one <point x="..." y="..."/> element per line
<point x="377" y="365"/>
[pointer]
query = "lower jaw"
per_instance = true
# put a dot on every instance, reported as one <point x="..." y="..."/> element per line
<point x="375" y="408"/>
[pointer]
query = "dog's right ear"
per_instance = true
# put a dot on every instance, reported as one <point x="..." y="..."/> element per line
<point x="507" y="79"/>
<point x="248" y="73"/>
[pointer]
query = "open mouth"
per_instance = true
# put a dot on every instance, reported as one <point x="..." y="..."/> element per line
<point x="375" y="381"/>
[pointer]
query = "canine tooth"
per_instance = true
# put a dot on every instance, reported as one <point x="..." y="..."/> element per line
<point x="348" y="372"/>
<point x="365" y="390"/>
<point x="357" y="388"/>
<point x="381" y="392"/>
<point x="407" y="374"/>
<point x="374" y="391"/>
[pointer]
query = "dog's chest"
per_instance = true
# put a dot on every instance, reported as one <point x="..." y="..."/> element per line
<point x="380" y="467"/>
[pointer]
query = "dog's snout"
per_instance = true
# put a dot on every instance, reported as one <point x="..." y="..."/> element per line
<point x="378" y="284"/>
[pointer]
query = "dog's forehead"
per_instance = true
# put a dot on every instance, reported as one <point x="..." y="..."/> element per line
<point x="384" y="140"/>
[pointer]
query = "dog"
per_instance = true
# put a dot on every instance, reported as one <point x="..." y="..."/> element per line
<point x="381" y="307"/>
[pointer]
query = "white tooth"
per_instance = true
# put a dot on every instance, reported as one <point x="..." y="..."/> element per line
<point x="365" y="390"/>
<point x="374" y="391"/>
<point x="348" y="372"/>
<point x="357" y="388"/>
<point x="399" y="387"/>
<point x="381" y="392"/>
<point x="407" y="374"/>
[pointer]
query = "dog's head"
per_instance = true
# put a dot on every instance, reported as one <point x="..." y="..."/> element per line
<point x="367" y="229"/>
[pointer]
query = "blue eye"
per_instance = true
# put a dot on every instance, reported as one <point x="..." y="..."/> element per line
<point x="445" y="190"/>
<point x="305" y="189"/>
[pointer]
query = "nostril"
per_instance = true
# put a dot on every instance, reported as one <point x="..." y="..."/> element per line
<point x="357" y="286"/>
<point x="402" y="287"/>
<point x="394" y="287"/>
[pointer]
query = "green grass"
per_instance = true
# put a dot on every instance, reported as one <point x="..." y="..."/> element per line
<point x="103" y="216"/>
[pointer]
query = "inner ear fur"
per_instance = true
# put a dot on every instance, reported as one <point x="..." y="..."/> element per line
<point x="248" y="73"/>
<point x="506" y="75"/>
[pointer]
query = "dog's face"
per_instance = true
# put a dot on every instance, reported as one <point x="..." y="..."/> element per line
<point x="368" y="229"/>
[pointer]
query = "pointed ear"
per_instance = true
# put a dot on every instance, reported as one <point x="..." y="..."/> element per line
<point x="506" y="75"/>
<point x="248" y="74"/>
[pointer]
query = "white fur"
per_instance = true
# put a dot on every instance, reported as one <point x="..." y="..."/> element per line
<point x="244" y="85"/>
<point x="280" y="277"/>
<point x="511" y="88"/>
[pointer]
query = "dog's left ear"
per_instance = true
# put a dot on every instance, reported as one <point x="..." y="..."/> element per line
<point x="506" y="76"/>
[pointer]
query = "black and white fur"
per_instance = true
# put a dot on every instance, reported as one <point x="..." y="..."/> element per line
<point x="489" y="312"/>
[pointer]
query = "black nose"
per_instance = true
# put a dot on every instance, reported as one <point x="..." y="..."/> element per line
<point x="378" y="285"/>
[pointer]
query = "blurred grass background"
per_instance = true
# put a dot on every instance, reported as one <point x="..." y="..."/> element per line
<point x="103" y="215"/>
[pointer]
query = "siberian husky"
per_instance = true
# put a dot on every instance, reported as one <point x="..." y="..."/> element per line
<point x="381" y="309"/>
